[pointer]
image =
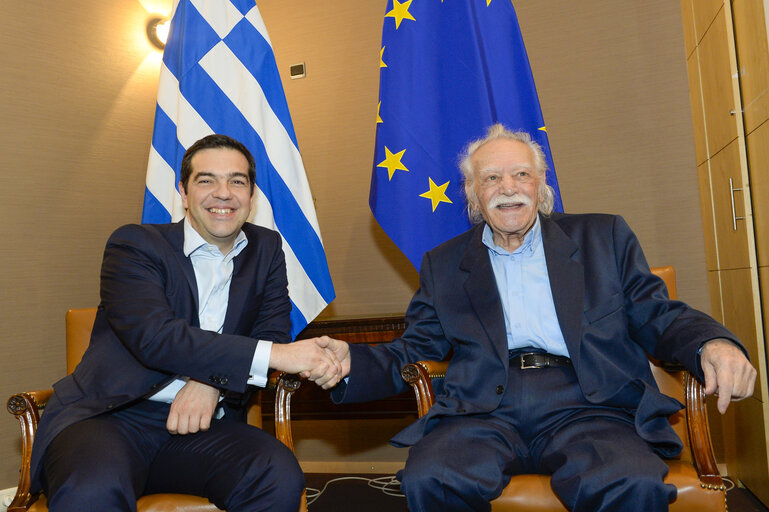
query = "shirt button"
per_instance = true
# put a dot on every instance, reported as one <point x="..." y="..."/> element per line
<point x="500" y="390"/>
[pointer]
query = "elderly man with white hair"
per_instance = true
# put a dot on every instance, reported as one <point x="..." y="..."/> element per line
<point x="548" y="318"/>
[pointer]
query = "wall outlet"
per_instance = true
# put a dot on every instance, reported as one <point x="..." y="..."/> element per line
<point x="6" y="496"/>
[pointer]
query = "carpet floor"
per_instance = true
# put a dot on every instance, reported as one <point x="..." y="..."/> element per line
<point x="372" y="493"/>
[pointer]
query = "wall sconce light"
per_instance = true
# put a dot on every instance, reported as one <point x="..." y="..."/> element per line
<point x="157" y="31"/>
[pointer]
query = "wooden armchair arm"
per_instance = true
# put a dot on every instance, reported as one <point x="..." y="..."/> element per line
<point x="26" y="407"/>
<point x="699" y="435"/>
<point x="420" y="374"/>
<point x="285" y="385"/>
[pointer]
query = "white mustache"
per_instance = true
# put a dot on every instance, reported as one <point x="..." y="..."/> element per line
<point x="503" y="199"/>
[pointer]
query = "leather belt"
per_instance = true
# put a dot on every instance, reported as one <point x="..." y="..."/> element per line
<point x="529" y="360"/>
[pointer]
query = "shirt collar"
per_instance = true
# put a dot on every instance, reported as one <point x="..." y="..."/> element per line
<point x="194" y="242"/>
<point x="532" y="239"/>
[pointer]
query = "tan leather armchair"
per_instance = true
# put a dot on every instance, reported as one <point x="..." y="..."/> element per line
<point x="694" y="473"/>
<point x="28" y="406"/>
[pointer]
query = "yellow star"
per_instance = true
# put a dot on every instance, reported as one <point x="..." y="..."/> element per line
<point x="392" y="162"/>
<point x="488" y="2"/>
<point x="400" y="12"/>
<point x="543" y="128"/>
<point x="378" y="117"/>
<point x="381" y="58"/>
<point x="437" y="194"/>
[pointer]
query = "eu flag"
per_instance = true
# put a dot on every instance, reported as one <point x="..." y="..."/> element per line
<point x="219" y="76"/>
<point x="448" y="70"/>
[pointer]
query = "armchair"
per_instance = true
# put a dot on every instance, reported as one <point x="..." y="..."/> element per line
<point x="27" y="407"/>
<point x="694" y="473"/>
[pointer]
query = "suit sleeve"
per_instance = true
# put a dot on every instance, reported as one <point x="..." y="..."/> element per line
<point x="375" y="370"/>
<point x="136" y="283"/>
<point x="668" y="329"/>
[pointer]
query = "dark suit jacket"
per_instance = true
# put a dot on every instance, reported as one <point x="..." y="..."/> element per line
<point x="147" y="329"/>
<point x="610" y="308"/>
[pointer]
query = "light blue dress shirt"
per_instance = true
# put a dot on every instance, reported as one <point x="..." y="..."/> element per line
<point x="524" y="289"/>
<point x="213" y="273"/>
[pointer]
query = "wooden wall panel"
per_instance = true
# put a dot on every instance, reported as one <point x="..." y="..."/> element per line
<point x="687" y="13"/>
<point x="733" y="72"/>
<point x="698" y="114"/>
<point x="758" y="160"/>
<point x="714" y="284"/>
<point x="753" y="56"/>
<point x="738" y="296"/>
<point x="752" y="438"/>
<point x="716" y="84"/>
<point x="733" y="249"/>
<point x="763" y="279"/>
<point x="704" y="15"/>
<point x="708" y="217"/>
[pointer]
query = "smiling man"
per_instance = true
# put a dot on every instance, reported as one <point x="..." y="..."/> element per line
<point x="548" y="318"/>
<point x="216" y="188"/>
<point x="192" y="317"/>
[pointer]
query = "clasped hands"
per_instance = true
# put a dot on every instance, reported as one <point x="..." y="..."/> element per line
<point x="324" y="361"/>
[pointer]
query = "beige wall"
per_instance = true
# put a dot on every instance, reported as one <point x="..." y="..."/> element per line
<point x="78" y="88"/>
<point x="612" y="82"/>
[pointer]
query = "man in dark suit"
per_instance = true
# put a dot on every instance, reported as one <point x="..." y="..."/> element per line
<point x="192" y="315"/>
<point x="548" y="318"/>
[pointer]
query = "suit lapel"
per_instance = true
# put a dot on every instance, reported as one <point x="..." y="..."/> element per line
<point x="567" y="282"/>
<point x="176" y="239"/>
<point x="241" y="277"/>
<point x="484" y="298"/>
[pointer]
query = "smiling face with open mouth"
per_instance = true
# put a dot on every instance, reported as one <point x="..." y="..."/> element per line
<point x="218" y="195"/>
<point x="506" y="187"/>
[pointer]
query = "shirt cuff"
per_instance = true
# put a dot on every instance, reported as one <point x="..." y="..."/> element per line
<point x="260" y="364"/>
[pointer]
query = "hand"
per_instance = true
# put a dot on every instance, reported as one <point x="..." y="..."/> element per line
<point x="728" y="373"/>
<point x="309" y="360"/>
<point x="192" y="408"/>
<point x="340" y="349"/>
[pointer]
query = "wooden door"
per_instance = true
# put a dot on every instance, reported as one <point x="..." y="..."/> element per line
<point x="725" y="170"/>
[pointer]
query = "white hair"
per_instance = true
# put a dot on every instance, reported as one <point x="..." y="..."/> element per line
<point x="545" y="199"/>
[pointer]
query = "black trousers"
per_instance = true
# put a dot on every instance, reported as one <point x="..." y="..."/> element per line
<point x="544" y="425"/>
<point x="109" y="461"/>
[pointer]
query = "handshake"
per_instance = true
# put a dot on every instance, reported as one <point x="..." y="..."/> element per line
<point x="325" y="361"/>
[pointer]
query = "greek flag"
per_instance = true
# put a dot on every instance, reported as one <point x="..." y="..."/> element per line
<point x="448" y="70"/>
<point x="219" y="76"/>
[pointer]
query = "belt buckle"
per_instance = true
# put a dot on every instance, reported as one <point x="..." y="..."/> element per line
<point x="525" y="366"/>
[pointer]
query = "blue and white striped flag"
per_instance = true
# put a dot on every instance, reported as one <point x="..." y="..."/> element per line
<point x="219" y="76"/>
